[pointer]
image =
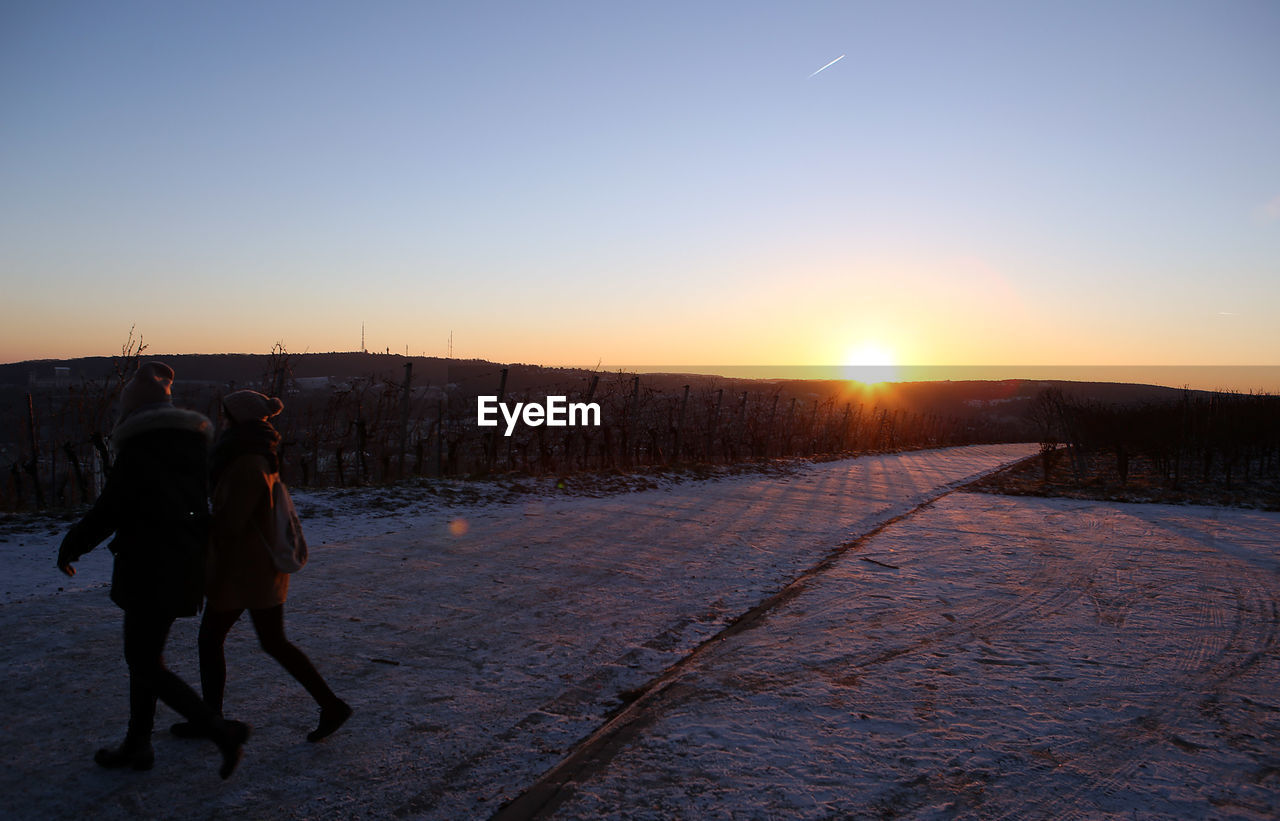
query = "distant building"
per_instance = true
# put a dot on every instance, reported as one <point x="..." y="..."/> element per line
<point x="60" y="378"/>
<point x="313" y="383"/>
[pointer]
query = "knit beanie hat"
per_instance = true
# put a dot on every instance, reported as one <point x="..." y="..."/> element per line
<point x="246" y="406"/>
<point x="149" y="386"/>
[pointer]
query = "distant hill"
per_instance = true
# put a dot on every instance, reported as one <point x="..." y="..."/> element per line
<point x="484" y="376"/>
<point x="231" y="367"/>
<point x="344" y="411"/>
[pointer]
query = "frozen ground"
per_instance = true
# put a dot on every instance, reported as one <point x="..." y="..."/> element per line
<point x="1007" y="658"/>
<point x="983" y="656"/>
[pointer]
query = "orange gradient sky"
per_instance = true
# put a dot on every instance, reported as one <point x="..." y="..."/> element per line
<point x="988" y="183"/>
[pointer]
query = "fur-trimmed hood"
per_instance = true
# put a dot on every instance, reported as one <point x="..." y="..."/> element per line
<point x="164" y="417"/>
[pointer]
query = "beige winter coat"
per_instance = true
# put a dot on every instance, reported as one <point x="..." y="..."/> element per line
<point x="240" y="573"/>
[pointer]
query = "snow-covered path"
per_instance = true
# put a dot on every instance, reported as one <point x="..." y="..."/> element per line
<point x="1005" y="658"/>
<point x="477" y="644"/>
<point x="480" y="644"/>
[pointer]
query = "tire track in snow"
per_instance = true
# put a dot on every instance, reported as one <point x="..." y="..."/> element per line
<point x="1216" y="655"/>
<point x="743" y="537"/>
<point x="1123" y="721"/>
<point x="596" y="751"/>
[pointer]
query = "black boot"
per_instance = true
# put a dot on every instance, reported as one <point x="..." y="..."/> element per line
<point x="135" y="753"/>
<point x="230" y="737"/>
<point x="190" y="729"/>
<point x="331" y="718"/>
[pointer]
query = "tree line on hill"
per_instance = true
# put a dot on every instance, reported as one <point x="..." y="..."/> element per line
<point x="397" y="424"/>
<point x="1231" y="438"/>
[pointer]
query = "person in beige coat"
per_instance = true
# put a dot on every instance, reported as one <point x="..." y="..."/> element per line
<point x="240" y="574"/>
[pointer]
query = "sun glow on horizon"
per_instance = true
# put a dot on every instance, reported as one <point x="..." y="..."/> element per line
<point x="870" y="363"/>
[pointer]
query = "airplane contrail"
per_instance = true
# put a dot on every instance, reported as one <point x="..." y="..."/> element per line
<point x="827" y="66"/>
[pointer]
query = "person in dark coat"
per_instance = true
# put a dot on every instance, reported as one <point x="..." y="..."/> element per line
<point x="155" y="502"/>
<point x="241" y="574"/>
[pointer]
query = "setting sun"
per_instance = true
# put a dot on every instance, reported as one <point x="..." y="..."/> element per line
<point x="870" y="363"/>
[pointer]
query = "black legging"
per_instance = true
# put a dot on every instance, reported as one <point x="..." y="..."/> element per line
<point x="144" y="637"/>
<point x="269" y="625"/>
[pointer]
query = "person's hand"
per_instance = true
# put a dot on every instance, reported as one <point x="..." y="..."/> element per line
<point x="65" y="557"/>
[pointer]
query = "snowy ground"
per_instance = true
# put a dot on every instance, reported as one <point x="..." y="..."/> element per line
<point x="982" y="655"/>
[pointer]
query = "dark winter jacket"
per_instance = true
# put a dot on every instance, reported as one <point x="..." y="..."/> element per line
<point x="241" y="574"/>
<point x="156" y="503"/>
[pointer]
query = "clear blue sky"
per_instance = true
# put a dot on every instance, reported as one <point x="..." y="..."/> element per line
<point x="625" y="183"/>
